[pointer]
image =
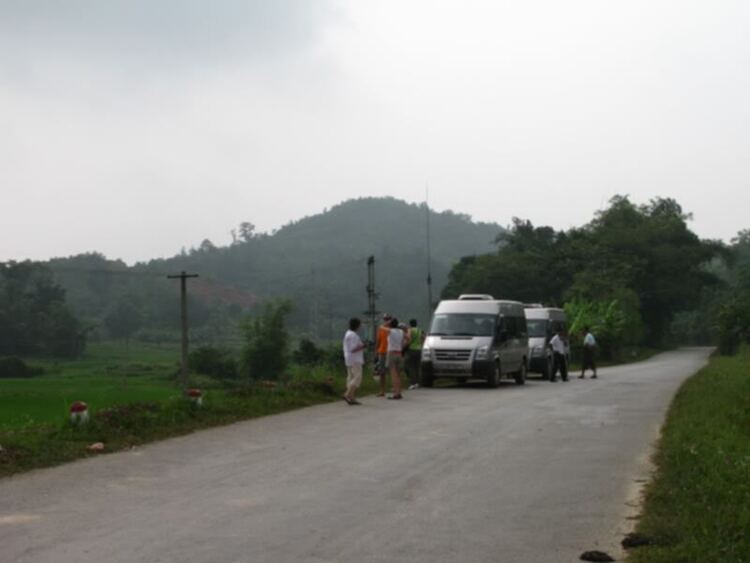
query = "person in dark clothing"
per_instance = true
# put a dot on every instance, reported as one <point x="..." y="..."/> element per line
<point x="414" y="353"/>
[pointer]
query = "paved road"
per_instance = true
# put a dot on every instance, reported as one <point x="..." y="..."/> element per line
<point x="517" y="474"/>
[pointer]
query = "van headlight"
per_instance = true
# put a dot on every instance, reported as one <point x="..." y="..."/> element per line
<point x="483" y="353"/>
<point x="426" y="354"/>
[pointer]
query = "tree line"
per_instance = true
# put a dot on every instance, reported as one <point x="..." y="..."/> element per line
<point x="633" y="273"/>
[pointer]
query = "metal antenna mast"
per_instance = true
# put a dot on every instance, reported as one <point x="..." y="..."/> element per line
<point x="371" y="298"/>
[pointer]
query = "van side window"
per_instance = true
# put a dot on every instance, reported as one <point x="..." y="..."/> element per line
<point x="514" y="327"/>
<point x="522" y="328"/>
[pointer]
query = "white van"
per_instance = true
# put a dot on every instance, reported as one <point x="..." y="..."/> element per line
<point x="542" y="323"/>
<point x="477" y="338"/>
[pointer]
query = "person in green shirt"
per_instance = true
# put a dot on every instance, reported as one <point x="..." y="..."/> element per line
<point x="414" y="353"/>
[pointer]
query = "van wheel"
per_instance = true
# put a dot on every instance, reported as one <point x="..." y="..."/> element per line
<point x="493" y="380"/>
<point x="520" y="375"/>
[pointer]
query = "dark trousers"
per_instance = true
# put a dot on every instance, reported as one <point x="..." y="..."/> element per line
<point x="411" y="365"/>
<point x="560" y="363"/>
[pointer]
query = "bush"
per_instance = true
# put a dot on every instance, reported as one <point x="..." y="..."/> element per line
<point x="307" y="354"/>
<point x="266" y="351"/>
<point x="15" y="367"/>
<point x="214" y="362"/>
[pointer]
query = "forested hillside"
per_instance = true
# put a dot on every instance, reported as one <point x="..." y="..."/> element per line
<point x="319" y="263"/>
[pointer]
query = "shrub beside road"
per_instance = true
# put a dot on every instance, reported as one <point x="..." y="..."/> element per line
<point x="698" y="506"/>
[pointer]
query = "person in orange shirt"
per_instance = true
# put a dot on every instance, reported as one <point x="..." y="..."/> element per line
<point x="381" y="349"/>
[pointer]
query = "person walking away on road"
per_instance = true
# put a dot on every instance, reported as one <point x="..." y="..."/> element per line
<point x="381" y="349"/>
<point x="414" y="353"/>
<point x="560" y="362"/>
<point x="354" y="358"/>
<point x="589" y="353"/>
<point x="396" y="338"/>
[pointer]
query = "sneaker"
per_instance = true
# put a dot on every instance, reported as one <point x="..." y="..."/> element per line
<point x="395" y="397"/>
<point x="413" y="386"/>
<point x="581" y="377"/>
<point x="594" y="377"/>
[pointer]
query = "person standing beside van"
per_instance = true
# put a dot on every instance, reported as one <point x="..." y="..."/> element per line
<point x="589" y="353"/>
<point x="560" y="361"/>
<point x="381" y="349"/>
<point x="354" y="358"/>
<point x="395" y="363"/>
<point x="414" y="353"/>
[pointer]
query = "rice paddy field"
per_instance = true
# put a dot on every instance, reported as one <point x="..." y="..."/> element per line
<point x="109" y="374"/>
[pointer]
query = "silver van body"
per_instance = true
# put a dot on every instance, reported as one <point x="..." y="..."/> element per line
<point x="476" y="338"/>
<point x="542" y="323"/>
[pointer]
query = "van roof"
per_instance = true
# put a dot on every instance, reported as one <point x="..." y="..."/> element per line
<point x="544" y="313"/>
<point x="494" y="306"/>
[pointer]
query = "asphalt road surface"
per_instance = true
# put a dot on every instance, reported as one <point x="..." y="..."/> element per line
<point x="538" y="473"/>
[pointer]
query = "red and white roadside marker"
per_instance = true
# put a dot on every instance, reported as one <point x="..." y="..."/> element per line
<point x="196" y="396"/>
<point x="79" y="413"/>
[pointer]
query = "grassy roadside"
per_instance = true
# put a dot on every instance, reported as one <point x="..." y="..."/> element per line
<point x="130" y="409"/>
<point x="697" y="509"/>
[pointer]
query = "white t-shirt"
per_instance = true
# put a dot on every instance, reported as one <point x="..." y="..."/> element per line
<point x="395" y="340"/>
<point x="352" y="341"/>
<point x="589" y="340"/>
<point x="558" y="345"/>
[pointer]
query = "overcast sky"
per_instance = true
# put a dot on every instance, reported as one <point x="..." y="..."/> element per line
<point x="138" y="127"/>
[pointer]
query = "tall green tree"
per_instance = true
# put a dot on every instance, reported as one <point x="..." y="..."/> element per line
<point x="265" y="354"/>
<point x="644" y="258"/>
<point x="34" y="317"/>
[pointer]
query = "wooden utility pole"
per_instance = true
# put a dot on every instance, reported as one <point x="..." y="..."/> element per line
<point x="371" y="298"/>
<point x="183" y="315"/>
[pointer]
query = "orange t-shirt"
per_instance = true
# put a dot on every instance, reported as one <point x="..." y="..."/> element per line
<point x="382" y="343"/>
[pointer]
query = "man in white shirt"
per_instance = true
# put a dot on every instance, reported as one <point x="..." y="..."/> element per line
<point x="589" y="351"/>
<point x="560" y="360"/>
<point x="354" y="358"/>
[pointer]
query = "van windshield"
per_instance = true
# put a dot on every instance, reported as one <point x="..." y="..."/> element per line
<point x="537" y="327"/>
<point x="463" y="324"/>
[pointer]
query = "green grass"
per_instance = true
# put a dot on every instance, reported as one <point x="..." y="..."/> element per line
<point x="133" y="399"/>
<point x="107" y="375"/>
<point x="697" y="509"/>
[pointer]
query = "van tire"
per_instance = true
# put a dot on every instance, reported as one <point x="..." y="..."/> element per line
<point x="493" y="379"/>
<point x="520" y="375"/>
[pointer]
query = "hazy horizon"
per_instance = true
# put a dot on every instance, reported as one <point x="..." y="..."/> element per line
<point x="138" y="128"/>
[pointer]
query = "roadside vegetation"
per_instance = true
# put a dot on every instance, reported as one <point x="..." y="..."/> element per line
<point x="697" y="509"/>
<point x="133" y="396"/>
<point x="133" y="399"/>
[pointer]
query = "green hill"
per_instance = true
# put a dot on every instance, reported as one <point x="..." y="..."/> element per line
<point x="318" y="262"/>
